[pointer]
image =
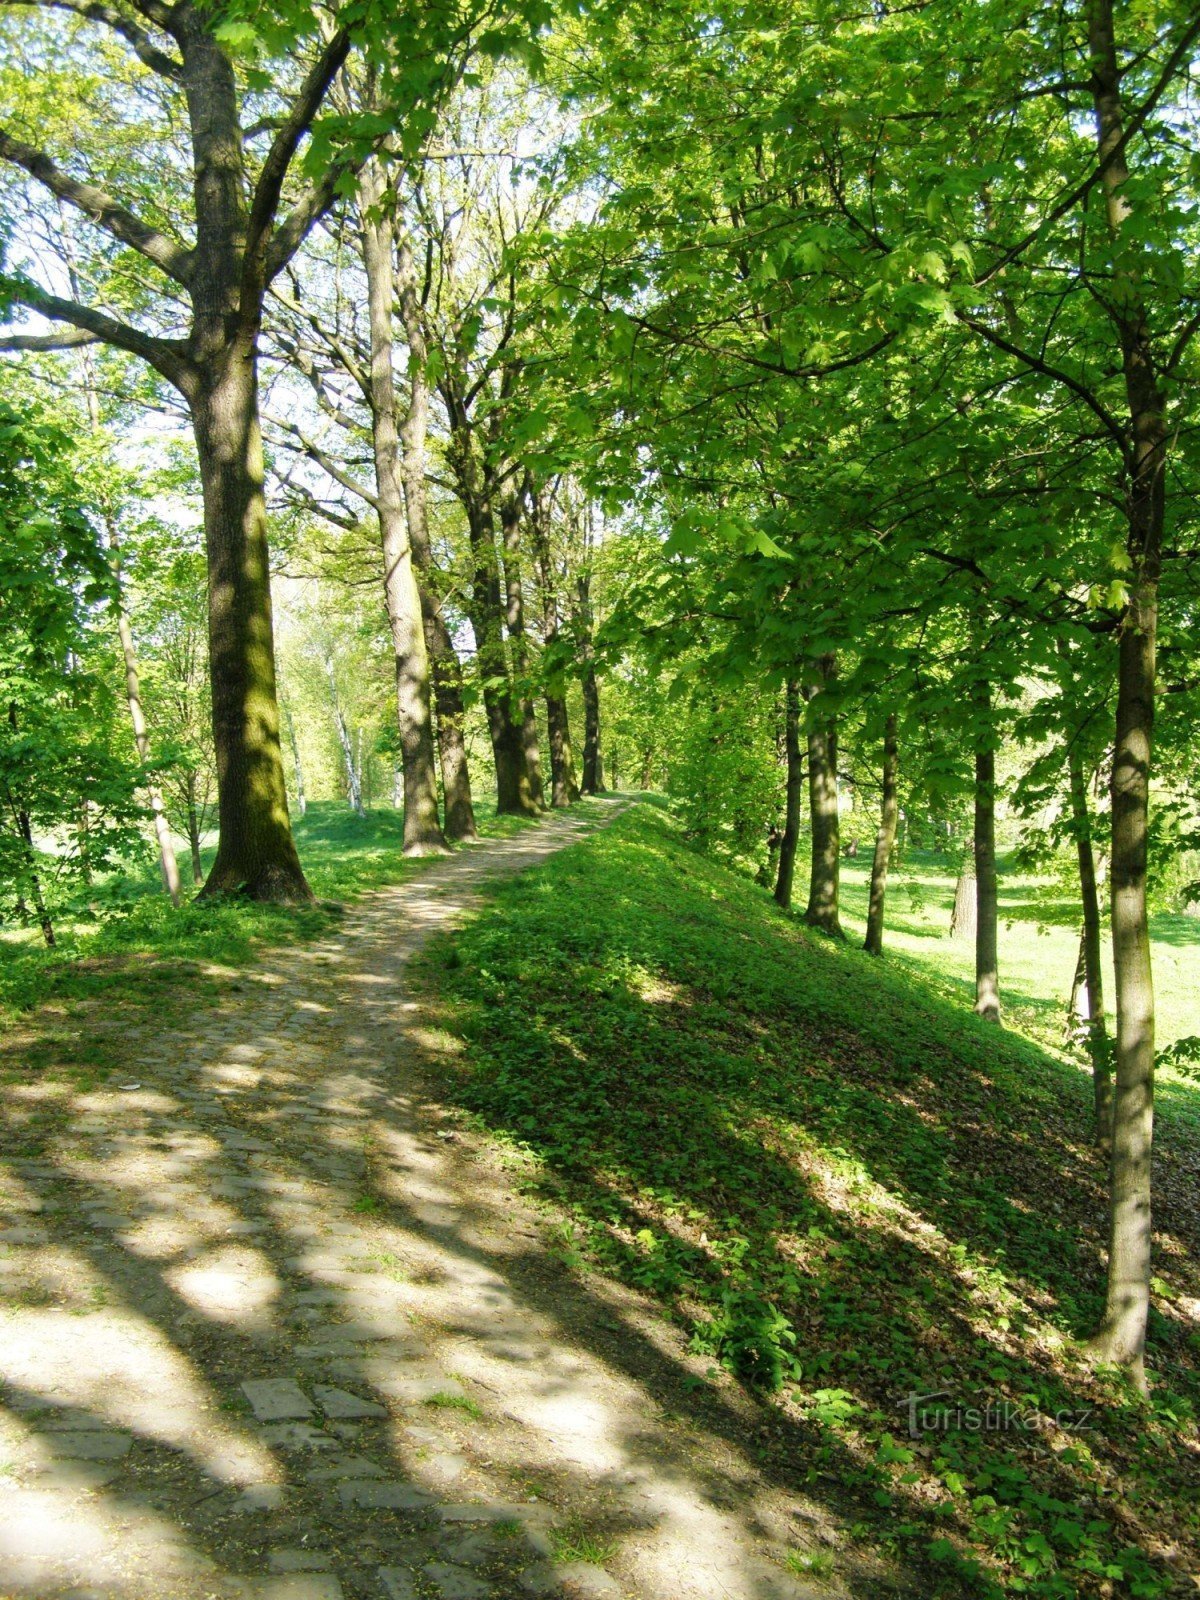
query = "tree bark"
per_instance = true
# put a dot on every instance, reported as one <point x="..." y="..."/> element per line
<point x="444" y="667"/>
<point x="964" y="917"/>
<point x="518" y="643"/>
<point x="352" y="785"/>
<point x="564" y="785"/>
<point x="297" y="768"/>
<point x="889" y="811"/>
<point x="256" y="854"/>
<point x="1093" y="1025"/>
<point x="987" y="977"/>
<point x="790" y="837"/>
<point x="422" y="829"/>
<point x="593" y="769"/>
<point x="1122" y="1335"/>
<point x="825" y="870"/>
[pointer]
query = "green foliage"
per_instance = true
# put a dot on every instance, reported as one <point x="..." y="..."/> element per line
<point x="67" y="803"/>
<point x="843" y="1187"/>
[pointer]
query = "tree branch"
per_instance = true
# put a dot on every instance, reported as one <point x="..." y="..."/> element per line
<point x="269" y="187"/>
<point x="167" y="356"/>
<point x="308" y="210"/>
<point x="1035" y="364"/>
<point x="101" y="209"/>
<point x="144" y="48"/>
<point x="69" y="339"/>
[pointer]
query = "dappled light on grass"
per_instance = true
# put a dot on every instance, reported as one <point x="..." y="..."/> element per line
<point x="848" y="1189"/>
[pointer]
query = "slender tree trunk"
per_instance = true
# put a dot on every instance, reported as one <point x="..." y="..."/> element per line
<point x="193" y="827"/>
<point x="889" y="811"/>
<point x="790" y="837"/>
<point x="1094" y="1029"/>
<point x="422" y="829"/>
<point x="964" y="917"/>
<point x="444" y="667"/>
<point x="344" y="739"/>
<point x="1122" y="1334"/>
<point x="824" y="876"/>
<point x="514" y="612"/>
<point x="297" y="768"/>
<point x="35" y="882"/>
<point x="593" y="770"/>
<point x="256" y="853"/>
<point x="987" y="977"/>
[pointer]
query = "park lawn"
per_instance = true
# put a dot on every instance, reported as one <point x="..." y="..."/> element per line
<point x="139" y="952"/>
<point x="844" y="1188"/>
<point x="1039" y="944"/>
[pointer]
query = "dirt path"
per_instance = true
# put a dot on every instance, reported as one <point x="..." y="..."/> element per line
<point x="273" y="1326"/>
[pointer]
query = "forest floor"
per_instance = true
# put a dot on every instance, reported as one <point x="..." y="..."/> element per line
<point x="565" y="1220"/>
<point x="278" y="1324"/>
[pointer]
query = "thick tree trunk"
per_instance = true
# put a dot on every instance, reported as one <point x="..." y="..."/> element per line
<point x="825" y="870"/>
<point x="1122" y="1334"/>
<point x="256" y="854"/>
<point x="444" y="667"/>
<point x="889" y="811"/>
<point x="518" y="643"/>
<point x="35" y="882"/>
<point x="1093" y="1027"/>
<point x="564" y="785"/>
<point x="514" y="791"/>
<point x="790" y="837"/>
<point x="987" y="976"/>
<point x="422" y="828"/>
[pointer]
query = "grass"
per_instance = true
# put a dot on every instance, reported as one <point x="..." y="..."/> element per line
<point x="845" y="1188"/>
<point x="139" y="952"/>
<point x="447" y="1400"/>
<point x="573" y="1542"/>
<point x="1039" y="944"/>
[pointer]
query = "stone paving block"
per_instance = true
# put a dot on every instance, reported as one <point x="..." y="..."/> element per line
<point x="372" y="1496"/>
<point x="296" y="1436"/>
<point x="579" y="1580"/>
<point x="276" y="1399"/>
<point x="490" y="1511"/>
<point x="299" y="1586"/>
<point x="341" y="1403"/>
<point x="296" y="1559"/>
<point x="455" y="1583"/>
<point x="397" y="1583"/>
<point x="88" y="1444"/>
<point x="347" y="1467"/>
<point x="258" y="1497"/>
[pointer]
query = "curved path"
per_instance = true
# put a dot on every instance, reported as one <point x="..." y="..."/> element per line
<point x="277" y="1326"/>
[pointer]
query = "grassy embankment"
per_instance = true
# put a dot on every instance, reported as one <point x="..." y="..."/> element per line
<point x="846" y="1188"/>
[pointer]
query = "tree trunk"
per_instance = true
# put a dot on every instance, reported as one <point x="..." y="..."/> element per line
<point x="444" y="667"/>
<point x="298" y="770"/>
<point x="514" y="792"/>
<point x="256" y="854"/>
<point x="193" y="827"/>
<point x="514" y="613"/>
<point x="987" y="977"/>
<point x="964" y="917"/>
<point x="790" y="837"/>
<point x="889" y="811"/>
<point x="422" y="829"/>
<point x="824" y="875"/>
<point x="1122" y="1334"/>
<point x="344" y="739"/>
<point x="1093" y="1028"/>
<point x="35" y="882"/>
<point x="593" y="770"/>
<point x="564" y="785"/>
